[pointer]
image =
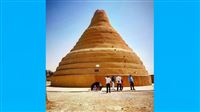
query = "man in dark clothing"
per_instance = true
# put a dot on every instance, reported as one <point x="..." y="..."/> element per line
<point x="113" y="82"/>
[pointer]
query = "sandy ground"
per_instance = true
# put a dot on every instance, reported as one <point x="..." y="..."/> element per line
<point x="84" y="100"/>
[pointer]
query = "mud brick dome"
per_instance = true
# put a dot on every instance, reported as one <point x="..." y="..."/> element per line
<point x="99" y="52"/>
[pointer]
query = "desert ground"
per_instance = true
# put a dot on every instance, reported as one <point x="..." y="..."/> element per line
<point x="84" y="100"/>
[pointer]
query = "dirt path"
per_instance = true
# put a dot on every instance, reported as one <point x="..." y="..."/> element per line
<point x="83" y="101"/>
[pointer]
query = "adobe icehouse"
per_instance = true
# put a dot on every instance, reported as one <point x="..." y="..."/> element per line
<point x="99" y="52"/>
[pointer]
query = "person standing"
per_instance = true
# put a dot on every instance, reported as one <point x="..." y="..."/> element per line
<point x="113" y="82"/>
<point x="107" y="84"/>
<point x="131" y="81"/>
<point x="122" y="86"/>
<point x="119" y="83"/>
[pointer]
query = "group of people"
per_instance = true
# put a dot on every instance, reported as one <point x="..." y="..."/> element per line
<point x="119" y="82"/>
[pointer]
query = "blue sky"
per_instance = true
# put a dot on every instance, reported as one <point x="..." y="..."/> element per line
<point x="67" y="20"/>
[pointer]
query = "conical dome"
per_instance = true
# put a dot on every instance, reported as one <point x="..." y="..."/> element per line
<point x="98" y="53"/>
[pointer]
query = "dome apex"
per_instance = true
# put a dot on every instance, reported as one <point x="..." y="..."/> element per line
<point x="100" y="19"/>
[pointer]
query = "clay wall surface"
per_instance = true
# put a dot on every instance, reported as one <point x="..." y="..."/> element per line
<point x="88" y="80"/>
